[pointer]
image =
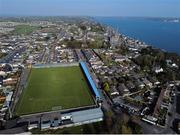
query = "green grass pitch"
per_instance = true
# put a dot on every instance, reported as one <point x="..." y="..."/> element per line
<point x="24" y="29"/>
<point x="56" y="87"/>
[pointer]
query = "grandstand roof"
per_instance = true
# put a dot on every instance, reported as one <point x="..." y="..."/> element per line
<point x="87" y="115"/>
<point x="83" y="65"/>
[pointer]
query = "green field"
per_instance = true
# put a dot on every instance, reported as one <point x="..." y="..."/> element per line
<point x="57" y="87"/>
<point x="24" y="29"/>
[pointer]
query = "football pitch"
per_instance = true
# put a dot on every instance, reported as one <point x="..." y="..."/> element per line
<point x="54" y="88"/>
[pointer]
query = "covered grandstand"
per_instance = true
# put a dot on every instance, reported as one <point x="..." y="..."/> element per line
<point x="90" y="81"/>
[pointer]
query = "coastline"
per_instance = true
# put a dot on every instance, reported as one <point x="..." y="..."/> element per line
<point x="117" y="25"/>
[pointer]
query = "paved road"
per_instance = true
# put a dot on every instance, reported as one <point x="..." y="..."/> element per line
<point x="80" y="55"/>
<point x="8" y="58"/>
<point x="16" y="130"/>
<point x="150" y="129"/>
<point x="174" y="115"/>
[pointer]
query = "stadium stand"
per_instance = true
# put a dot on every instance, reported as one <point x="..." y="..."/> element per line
<point x="93" y="86"/>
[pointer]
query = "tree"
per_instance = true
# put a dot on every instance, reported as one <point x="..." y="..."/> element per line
<point x="126" y="130"/>
<point x="83" y="27"/>
<point x="87" y="129"/>
<point x="47" y="38"/>
<point x="106" y="87"/>
<point x="169" y="114"/>
<point x="122" y="128"/>
<point x="135" y="127"/>
<point x="109" y="120"/>
<point x="125" y="118"/>
<point x="160" y="56"/>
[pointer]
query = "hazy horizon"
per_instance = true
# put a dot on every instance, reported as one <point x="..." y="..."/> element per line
<point x="92" y="8"/>
<point x="88" y="16"/>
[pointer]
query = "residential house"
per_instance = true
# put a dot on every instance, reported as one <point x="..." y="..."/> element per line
<point x="114" y="91"/>
<point x="140" y="84"/>
<point x="147" y="82"/>
<point x="158" y="70"/>
<point x="123" y="90"/>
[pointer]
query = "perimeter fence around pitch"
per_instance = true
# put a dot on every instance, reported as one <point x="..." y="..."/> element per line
<point x="55" y="65"/>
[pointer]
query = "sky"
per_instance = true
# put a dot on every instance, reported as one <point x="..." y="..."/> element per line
<point x="145" y="8"/>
